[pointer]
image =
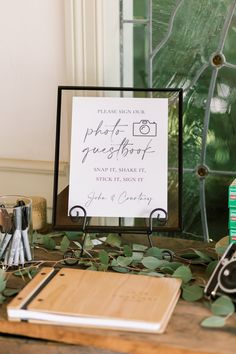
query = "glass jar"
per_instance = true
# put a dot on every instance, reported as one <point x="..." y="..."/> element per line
<point x="15" y="231"/>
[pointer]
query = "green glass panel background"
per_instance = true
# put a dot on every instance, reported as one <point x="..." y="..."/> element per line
<point x="186" y="35"/>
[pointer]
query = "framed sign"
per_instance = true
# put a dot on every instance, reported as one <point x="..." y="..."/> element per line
<point x="118" y="158"/>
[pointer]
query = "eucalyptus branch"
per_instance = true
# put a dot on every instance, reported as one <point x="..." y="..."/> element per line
<point x="183" y="260"/>
<point x="112" y="255"/>
<point x="47" y="250"/>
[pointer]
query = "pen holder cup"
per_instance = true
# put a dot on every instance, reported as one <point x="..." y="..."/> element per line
<point x="16" y="232"/>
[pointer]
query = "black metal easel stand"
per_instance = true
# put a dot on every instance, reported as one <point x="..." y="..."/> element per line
<point x="76" y="211"/>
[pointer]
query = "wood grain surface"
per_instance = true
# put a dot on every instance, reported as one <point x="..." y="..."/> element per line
<point x="184" y="335"/>
<point x="141" y="303"/>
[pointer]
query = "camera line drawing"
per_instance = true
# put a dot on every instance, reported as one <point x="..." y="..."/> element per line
<point x="145" y="128"/>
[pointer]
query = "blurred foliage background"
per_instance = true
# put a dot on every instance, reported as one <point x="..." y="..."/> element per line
<point x="186" y="37"/>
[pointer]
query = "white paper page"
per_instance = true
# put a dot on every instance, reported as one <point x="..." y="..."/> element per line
<point x="119" y="156"/>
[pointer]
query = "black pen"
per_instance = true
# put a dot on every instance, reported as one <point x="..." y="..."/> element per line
<point x="16" y="239"/>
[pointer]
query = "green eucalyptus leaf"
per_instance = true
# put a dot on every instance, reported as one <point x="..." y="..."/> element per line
<point x="156" y="274"/>
<point x="124" y="261"/>
<point x="85" y="262"/>
<point x="170" y="267"/>
<point x="2" y="299"/>
<point x="65" y="243"/>
<point x="189" y="255"/>
<point x="120" y="269"/>
<point x="55" y="234"/>
<point x="78" y="244"/>
<point x="206" y="303"/>
<point x="155" y="252"/>
<point x="29" y="273"/>
<point x="114" y="240"/>
<point x="2" y="274"/>
<point x="73" y="235"/>
<point x="77" y="254"/>
<point x="104" y="257"/>
<point x="211" y="267"/>
<point x="167" y="270"/>
<point x="184" y="273"/>
<point x="127" y="251"/>
<point x="114" y="263"/>
<point x="222" y="306"/>
<point x="137" y="256"/>
<point x="138" y="247"/>
<point x="174" y="265"/>
<point x="45" y="239"/>
<point x="151" y="273"/>
<point x="222" y="245"/>
<point x="152" y="262"/>
<point x="32" y="272"/>
<point x="26" y="271"/>
<point x="204" y="257"/>
<point x="102" y="267"/>
<point x="213" y="322"/>
<point x="192" y="292"/>
<point x="99" y="240"/>
<point x="88" y="244"/>
<point x="2" y="285"/>
<point x="38" y="238"/>
<point x="92" y="267"/>
<point x="48" y="242"/>
<point x="70" y="258"/>
<point x="220" y="250"/>
<point x="198" y="260"/>
<point x="20" y="273"/>
<point x="10" y="292"/>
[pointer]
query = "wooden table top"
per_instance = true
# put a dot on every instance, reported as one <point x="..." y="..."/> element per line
<point x="184" y="335"/>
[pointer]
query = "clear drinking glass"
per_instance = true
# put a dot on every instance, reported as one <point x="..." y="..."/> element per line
<point x="16" y="231"/>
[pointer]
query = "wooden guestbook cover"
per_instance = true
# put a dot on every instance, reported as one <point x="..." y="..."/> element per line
<point x="93" y="299"/>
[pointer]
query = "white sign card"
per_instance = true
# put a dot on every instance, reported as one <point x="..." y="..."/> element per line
<point x="119" y="156"/>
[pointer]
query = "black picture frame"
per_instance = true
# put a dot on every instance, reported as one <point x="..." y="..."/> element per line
<point x="60" y="218"/>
